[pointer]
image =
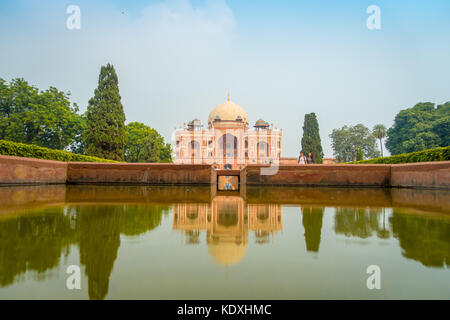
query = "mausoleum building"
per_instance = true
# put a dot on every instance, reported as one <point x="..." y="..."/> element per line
<point x="227" y="141"/>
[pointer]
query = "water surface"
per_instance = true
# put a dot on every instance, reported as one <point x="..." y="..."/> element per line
<point x="147" y="242"/>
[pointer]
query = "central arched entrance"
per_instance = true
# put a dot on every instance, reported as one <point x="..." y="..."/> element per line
<point x="228" y="149"/>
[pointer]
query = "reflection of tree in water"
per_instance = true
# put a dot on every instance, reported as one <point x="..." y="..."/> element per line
<point x="360" y="222"/>
<point x="312" y="223"/>
<point x="136" y="220"/>
<point x="99" y="240"/>
<point x="99" y="229"/>
<point x="424" y="239"/>
<point x="383" y="232"/>
<point x="36" y="241"/>
<point x="33" y="242"/>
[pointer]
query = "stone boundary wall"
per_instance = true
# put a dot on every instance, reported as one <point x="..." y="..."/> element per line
<point x="373" y="175"/>
<point x="294" y="160"/>
<point x="288" y="161"/>
<point x="421" y="175"/>
<point x="17" y="170"/>
<point x="138" y="173"/>
<point x="23" y="171"/>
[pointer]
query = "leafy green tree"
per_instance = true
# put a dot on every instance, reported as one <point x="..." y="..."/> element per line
<point x="5" y="107"/>
<point x="105" y="129"/>
<point x="166" y="153"/>
<point x="359" y="154"/>
<point x="52" y="122"/>
<point x="379" y="131"/>
<point x="78" y="144"/>
<point x="419" y="128"/>
<point x="347" y="140"/>
<point x="441" y="126"/>
<point x="311" y="138"/>
<point x="145" y="144"/>
<point x="5" y="99"/>
<point x="46" y="118"/>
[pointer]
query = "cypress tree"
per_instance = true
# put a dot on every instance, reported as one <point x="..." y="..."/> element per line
<point x="105" y="133"/>
<point x="311" y="138"/>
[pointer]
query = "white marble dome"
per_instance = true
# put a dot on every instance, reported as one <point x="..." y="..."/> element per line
<point x="228" y="111"/>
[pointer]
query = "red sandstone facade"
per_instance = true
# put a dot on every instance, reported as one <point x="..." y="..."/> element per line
<point x="227" y="140"/>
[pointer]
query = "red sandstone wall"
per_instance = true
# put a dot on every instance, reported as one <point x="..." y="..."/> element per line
<point x="16" y="170"/>
<point x="288" y="161"/>
<point x="329" y="161"/>
<point x="422" y="175"/>
<point x="139" y="173"/>
<point x="292" y="161"/>
<point x="323" y="175"/>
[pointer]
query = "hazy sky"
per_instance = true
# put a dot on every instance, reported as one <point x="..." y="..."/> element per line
<point x="177" y="59"/>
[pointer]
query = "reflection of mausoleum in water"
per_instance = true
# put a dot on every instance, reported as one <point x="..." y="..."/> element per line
<point x="227" y="222"/>
<point x="227" y="140"/>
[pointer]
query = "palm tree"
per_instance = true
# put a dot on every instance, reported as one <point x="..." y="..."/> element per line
<point x="379" y="131"/>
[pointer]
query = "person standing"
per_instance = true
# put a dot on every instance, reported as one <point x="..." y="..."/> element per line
<point x="302" y="159"/>
<point x="310" y="159"/>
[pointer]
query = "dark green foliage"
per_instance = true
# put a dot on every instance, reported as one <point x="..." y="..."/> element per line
<point x="359" y="154"/>
<point x="347" y="140"/>
<point x="145" y="144"/>
<point x="419" y="128"/>
<point x="48" y="119"/>
<point x="9" y="148"/>
<point x="78" y="144"/>
<point x="442" y="124"/>
<point x="166" y="153"/>
<point x="44" y="118"/>
<point x="436" y="154"/>
<point x="105" y="133"/>
<point x="311" y="138"/>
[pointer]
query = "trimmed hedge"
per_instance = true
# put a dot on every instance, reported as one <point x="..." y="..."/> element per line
<point x="436" y="154"/>
<point x="9" y="148"/>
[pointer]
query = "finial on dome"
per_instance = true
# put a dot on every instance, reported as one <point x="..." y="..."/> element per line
<point x="228" y="96"/>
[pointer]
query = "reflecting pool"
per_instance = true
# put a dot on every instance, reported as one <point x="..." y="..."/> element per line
<point x="147" y="242"/>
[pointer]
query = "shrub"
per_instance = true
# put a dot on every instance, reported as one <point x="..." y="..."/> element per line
<point x="436" y="154"/>
<point x="9" y="148"/>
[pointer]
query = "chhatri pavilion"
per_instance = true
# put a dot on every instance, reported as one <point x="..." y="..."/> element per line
<point x="227" y="141"/>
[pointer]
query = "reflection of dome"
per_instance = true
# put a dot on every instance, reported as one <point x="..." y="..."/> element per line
<point x="227" y="253"/>
<point x="229" y="111"/>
